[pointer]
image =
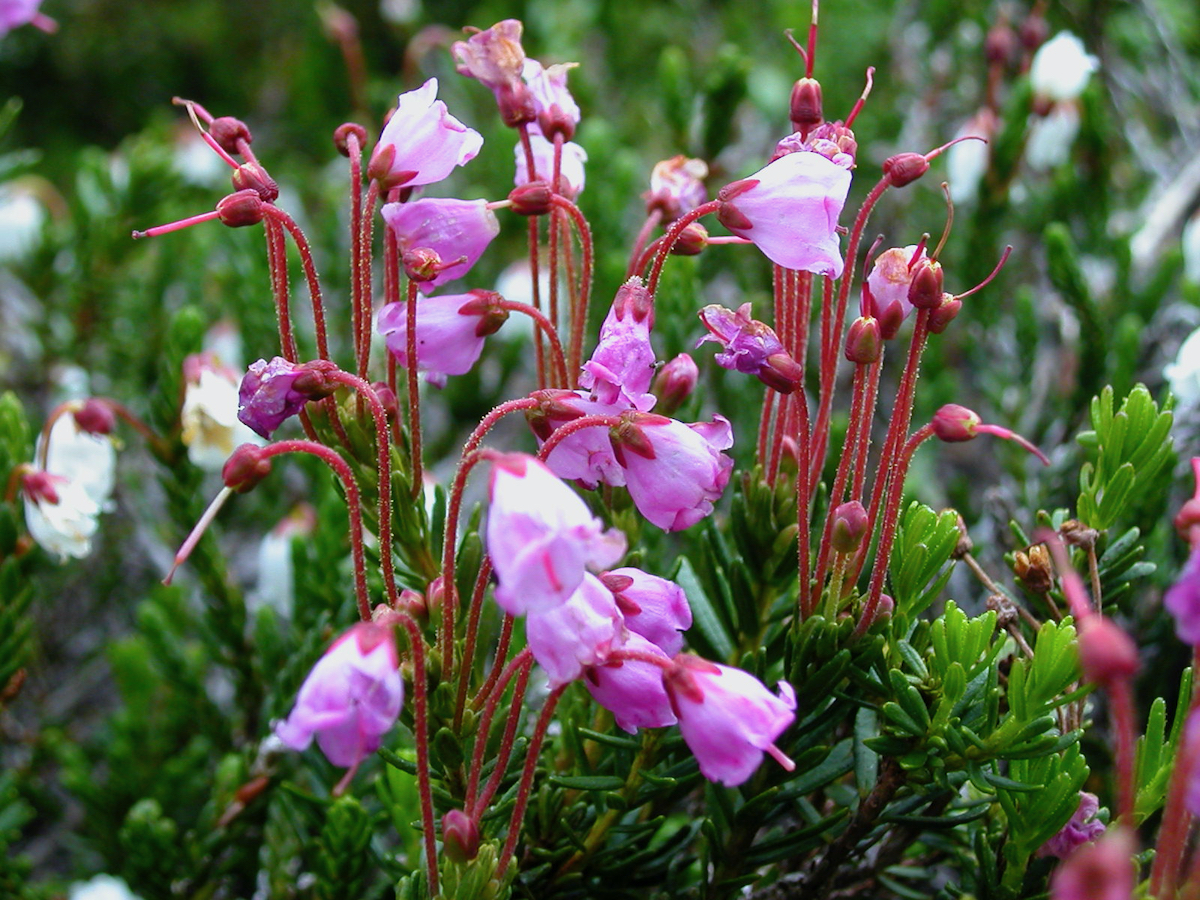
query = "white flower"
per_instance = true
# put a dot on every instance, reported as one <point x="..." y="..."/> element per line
<point x="102" y="887"/>
<point x="60" y="515"/>
<point x="1191" y="249"/>
<point x="276" y="575"/>
<point x="967" y="161"/>
<point x="86" y="459"/>
<point x="211" y="429"/>
<point x="22" y="217"/>
<point x="1061" y="68"/>
<point x="1050" y="137"/>
<point x="1183" y="375"/>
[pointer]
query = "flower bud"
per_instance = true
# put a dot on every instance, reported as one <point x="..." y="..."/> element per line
<point x="533" y="198"/>
<point x="849" y="527"/>
<point x="460" y="836"/>
<point x="941" y="316"/>
<point x="781" y="372"/>
<point x="435" y="595"/>
<point x="1034" y="569"/>
<point x="228" y="131"/>
<point x="240" y="209"/>
<point x="341" y="136"/>
<point x="485" y="305"/>
<point x="95" y="417"/>
<point x="1106" y="653"/>
<point x="252" y="176"/>
<point x="387" y="398"/>
<point x="863" y="341"/>
<point x="925" y="289"/>
<point x="516" y="105"/>
<point x="905" y="168"/>
<point x="413" y="603"/>
<point x="953" y="423"/>
<point x="692" y="240"/>
<point x="245" y="468"/>
<point x="806" y="110"/>
<point x="999" y="44"/>
<point x="313" y="381"/>
<point x="675" y="382"/>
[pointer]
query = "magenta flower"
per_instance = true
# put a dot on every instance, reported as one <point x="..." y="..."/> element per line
<point x="272" y="392"/>
<point x="887" y="287"/>
<point x="556" y="108"/>
<point x="1103" y="870"/>
<point x="1189" y="751"/>
<point x="571" y="171"/>
<point x="653" y="607"/>
<point x="440" y="239"/>
<point x="587" y="455"/>
<point x="541" y="537"/>
<point x="674" y="471"/>
<point x="632" y="689"/>
<point x="1082" y="828"/>
<point x="676" y="186"/>
<point x="450" y="331"/>
<point x="575" y="634"/>
<point x="833" y="140"/>
<point x="622" y="365"/>
<point x="351" y="698"/>
<point x="1182" y="600"/>
<point x="15" y="13"/>
<point x="728" y="717"/>
<point x="790" y="210"/>
<point x="495" y="58"/>
<point x="421" y="143"/>
<point x="750" y="346"/>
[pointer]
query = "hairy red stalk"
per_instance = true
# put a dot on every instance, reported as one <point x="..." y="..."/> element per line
<point x="414" y="397"/>
<point x="523" y="660"/>
<point x="364" y="309"/>
<point x="1120" y="696"/>
<point x="579" y="315"/>
<point x="502" y="645"/>
<point x="639" y="243"/>
<point x="421" y="737"/>
<point x="546" y="326"/>
<point x="562" y="432"/>
<point x="668" y="241"/>
<point x="504" y="753"/>
<point x="472" y="635"/>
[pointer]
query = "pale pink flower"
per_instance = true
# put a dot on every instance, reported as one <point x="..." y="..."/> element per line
<point x="556" y="108"/>
<point x="887" y="286"/>
<point x="575" y="634"/>
<point x="586" y="455"/>
<point x="422" y="142"/>
<point x="622" y="366"/>
<point x="655" y="608"/>
<point x="571" y="171"/>
<point x="495" y="58"/>
<point x="676" y="187"/>
<point x="450" y="331"/>
<point x="632" y="689"/>
<point x="450" y="236"/>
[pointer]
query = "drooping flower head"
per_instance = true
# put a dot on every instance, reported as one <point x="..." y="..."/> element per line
<point x="633" y="689"/>
<point x="209" y="415"/>
<point x="60" y="514"/>
<point x="557" y="111"/>
<point x="653" y="607"/>
<point x="81" y="449"/>
<point x="272" y="392"/>
<point x="577" y="633"/>
<point x="728" y="717"/>
<point x="622" y="365"/>
<point x="676" y="187"/>
<point x="586" y="455"/>
<point x="790" y="210"/>
<point x="541" y="537"/>
<point x="495" y="58"/>
<point x="421" y="143"/>
<point x="450" y="331"/>
<point x="1082" y="828"/>
<point x="440" y="239"/>
<point x="571" y="168"/>
<point x="350" y="699"/>
<point x="750" y="346"/>
<point x="887" y="285"/>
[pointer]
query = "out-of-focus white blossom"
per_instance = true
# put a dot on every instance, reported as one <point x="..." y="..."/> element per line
<point x="1183" y="375"/>
<point x="276" y="575"/>
<point x="60" y="515"/>
<point x="88" y="460"/>
<point x="1061" y="68"/>
<point x="210" y="426"/>
<point x="22" y="217"/>
<point x="102" y="887"/>
<point x="398" y="12"/>
<point x="1191" y="249"/>
<point x="967" y="161"/>
<point x="1050" y="137"/>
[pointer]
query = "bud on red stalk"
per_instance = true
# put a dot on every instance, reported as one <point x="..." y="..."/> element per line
<point x="863" y="341"/>
<point x="1000" y="43"/>
<point x="675" y="382"/>
<point x="781" y="372"/>
<point x="314" y="381"/>
<point x="387" y="398"/>
<point x="460" y="836"/>
<point x="227" y="131"/>
<point x="245" y="468"/>
<point x="413" y="603"/>
<point x="516" y="104"/>
<point x="941" y="317"/>
<point x="849" y="527"/>
<point x="341" y="135"/>
<point x="806" y="109"/>
<point x="1106" y="653"/>
<point x="925" y="289"/>
<point x="95" y="417"/>
<point x="486" y="305"/>
<point x="953" y="423"/>
<point x="240" y="209"/>
<point x="531" y="199"/>
<point x="252" y="176"/>
<point x="905" y="168"/>
<point x="692" y="240"/>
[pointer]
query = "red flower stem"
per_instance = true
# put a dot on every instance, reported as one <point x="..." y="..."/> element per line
<point x="1120" y="697"/>
<point x="579" y="322"/>
<point x="157" y="444"/>
<point x="784" y="421"/>
<point x="364" y="310"/>
<point x="890" y="525"/>
<point x="385" y="480"/>
<point x="536" y="294"/>
<point x="504" y="754"/>
<point x="279" y="287"/>
<point x="310" y="273"/>
<point x="354" y="153"/>
<point x="177" y="226"/>
<point x="421" y="736"/>
<point x="639" y="244"/>
<point x="562" y="432"/>
<point x="648" y="255"/>
<point x="555" y="219"/>
<point x="487" y="422"/>
<point x="472" y="635"/>
<point x="672" y="236"/>
<point x="828" y="383"/>
<point x="627" y="655"/>
<point x="353" y="506"/>
<point x="526" y="784"/>
<point x="546" y="326"/>
<point x="802" y="293"/>
<point x="864" y="447"/>
<point x="764" y="432"/>
<point x="1176" y="820"/>
<point x="504" y="674"/>
<point x="391" y="383"/>
<point x="502" y="644"/>
<point x="414" y="397"/>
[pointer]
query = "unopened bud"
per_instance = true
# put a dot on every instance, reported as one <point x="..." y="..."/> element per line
<point x="1034" y="569"/>
<point x="314" y="380"/>
<point x="925" y="289"/>
<point x="341" y="136"/>
<point x="516" y="105"/>
<point x="227" y="131"/>
<point x="780" y="372"/>
<point x="1034" y="31"/>
<point x="387" y="398"/>
<point x="1077" y="534"/>
<point x="95" y="417"/>
<point x="941" y="317"/>
<point x="487" y="306"/>
<point x="806" y="109"/>
<point x="953" y="423"/>
<point x="460" y="836"/>
<point x="252" y="176"/>
<point x="245" y="468"/>
<point x="632" y="298"/>
<point x="675" y="382"/>
<point x="692" y="240"/>
<point x="849" y="527"/>
<point x="554" y="121"/>
<point x="999" y="44"/>
<point x="1106" y="653"/>
<point x="413" y="603"/>
<point x="532" y="199"/>
<point x="240" y="209"/>
<point x="905" y="168"/>
<point x="435" y="596"/>
<point x="864" y="343"/>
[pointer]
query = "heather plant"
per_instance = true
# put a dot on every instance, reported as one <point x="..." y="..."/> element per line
<point x="519" y="631"/>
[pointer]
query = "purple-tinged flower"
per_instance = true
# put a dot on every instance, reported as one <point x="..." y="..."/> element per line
<point x="750" y="346"/>
<point x="567" y="638"/>
<point x="495" y="58"/>
<point x="887" y="286"/>
<point x="1103" y="870"/>
<point x="653" y="607"/>
<point x="833" y="140"/>
<point x="350" y="699"/>
<point x="15" y="13"/>
<point x="421" y="143"/>
<point x="586" y="455"/>
<point x="571" y="172"/>
<point x="622" y="365"/>
<point x="676" y="187"/>
<point x="1188" y="753"/>
<point x="633" y="689"/>
<point x="790" y="210"/>
<point x="674" y="471"/>
<point x="272" y="392"/>
<point x="556" y="109"/>
<point x="1082" y="828"/>
<point x="450" y="331"/>
<point x="728" y="717"/>
<point x="541" y="537"/>
<point x="440" y="239"/>
<point x="1182" y="600"/>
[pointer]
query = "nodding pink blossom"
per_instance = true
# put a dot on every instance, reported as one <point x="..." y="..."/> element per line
<point x="556" y="109"/>
<point x="1103" y="870"/>
<point x="450" y="331"/>
<point x="622" y="365"/>
<point x="441" y="239"/>
<point x="728" y="717"/>
<point x="633" y="689"/>
<point x="571" y="171"/>
<point x="350" y="699"/>
<point x="1182" y="600"/>
<point x="495" y="58"/>
<point x="674" y="472"/>
<point x="790" y="210"/>
<point x="272" y="392"/>
<point x="541" y="537"/>
<point x="587" y="455"/>
<point x="676" y="187"/>
<point x="62" y="517"/>
<point x="1082" y="828"/>
<point x="750" y="346"/>
<point x="577" y="633"/>
<point x="421" y="143"/>
<point x="15" y="13"/>
<point x="887" y="286"/>
<point x="653" y="607"/>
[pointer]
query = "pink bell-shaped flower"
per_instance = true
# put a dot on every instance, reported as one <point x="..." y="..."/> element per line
<point x="577" y="633"/>
<point x="633" y="689"/>
<point x="421" y="143"/>
<point x="728" y="717"/>
<point x="571" y="169"/>
<point x="495" y="58"/>
<point x="653" y="607"/>
<point x="556" y="108"/>
<point x="622" y="365"/>
<point x="790" y="210"/>
<point x="888" y="283"/>
<point x="351" y="698"/>
<point x="272" y="392"/>
<point x="450" y="331"/>
<point x="674" y="472"/>
<point x="541" y="537"/>
<point x="587" y="455"/>
<point x="441" y="239"/>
